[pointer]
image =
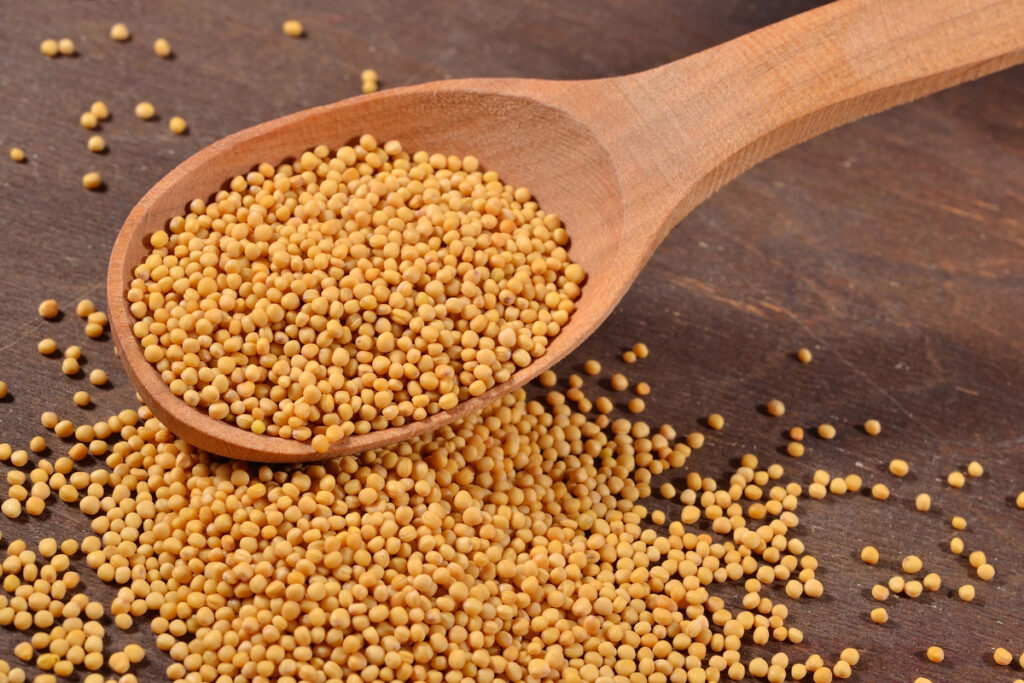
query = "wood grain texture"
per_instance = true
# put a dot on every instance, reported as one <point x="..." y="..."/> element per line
<point x="893" y="248"/>
<point x="622" y="159"/>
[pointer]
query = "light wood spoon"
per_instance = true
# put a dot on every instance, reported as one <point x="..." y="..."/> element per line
<point x="622" y="160"/>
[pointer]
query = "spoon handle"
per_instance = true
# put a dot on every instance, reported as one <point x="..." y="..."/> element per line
<point x="705" y="119"/>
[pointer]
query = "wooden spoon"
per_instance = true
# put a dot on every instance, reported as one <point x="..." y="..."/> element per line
<point x="622" y="160"/>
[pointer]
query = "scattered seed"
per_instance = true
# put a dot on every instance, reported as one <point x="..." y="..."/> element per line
<point x="923" y="502"/>
<point x="46" y="346"/>
<point x="935" y="654"/>
<point x="592" y="367"/>
<point x="96" y="144"/>
<point x="162" y="48"/>
<point x="98" y="377"/>
<point x="1020" y="500"/>
<point x="911" y="564"/>
<point x="796" y="434"/>
<point x="66" y="46"/>
<point x="878" y="615"/>
<point x="667" y="491"/>
<point x="966" y="592"/>
<point x="88" y="120"/>
<point x="694" y="440"/>
<point x="975" y="469"/>
<point x="986" y="572"/>
<point x="3" y="390"/>
<point x="959" y="523"/>
<point x="91" y="180"/>
<point x="899" y="467"/>
<point x="956" y="545"/>
<point x="69" y="366"/>
<point x="640" y="350"/>
<point x="869" y="554"/>
<point x="976" y="558"/>
<point x="370" y="86"/>
<point x="293" y="28"/>
<point x="120" y="32"/>
<point x="932" y="582"/>
<point x="145" y="110"/>
<point x="177" y="125"/>
<point x="804" y="355"/>
<point x="99" y="110"/>
<point x="879" y="592"/>
<point x="49" y="309"/>
<point x="873" y="427"/>
<point x="17" y="155"/>
<point x="777" y="408"/>
<point x="880" y="492"/>
<point x="49" y="47"/>
<point x="913" y="589"/>
<point x="795" y="449"/>
<point x="956" y="479"/>
<point x="1002" y="656"/>
<point x="642" y="389"/>
<point x="37" y="444"/>
<point x="629" y="357"/>
<point x="636" y="405"/>
<point x="826" y="431"/>
<point x="716" y="421"/>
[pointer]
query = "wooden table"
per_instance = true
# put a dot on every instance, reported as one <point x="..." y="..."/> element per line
<point x="893" y="248"/>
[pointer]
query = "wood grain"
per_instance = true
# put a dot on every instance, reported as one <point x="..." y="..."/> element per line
<point x="893" y="248"/>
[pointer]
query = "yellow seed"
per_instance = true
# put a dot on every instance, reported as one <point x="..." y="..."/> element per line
<point x="667" y="491"/>
<point x="636" y="405"/>
<point x="975" y="469"/>
<point x="591" y="367"/>
<point x="619" y="382"/>
<point x="694" y="440"/>
<point x="37" y="444"/>
<point x="956" y="545"/>
<point x="976" y="558"/>
<point x="986" y="572"/>
<point x="370" y="86"/>
<point x="3" y="390"/>
<point x="777" y="408"/>
<point x="966" y="592"/>
<point x="1002" y="656"/>
<point x="716" y="421"/>
<point x="88" y="120"/>
<point x="879" y="615"/>
<point x="873" y="427"/>
<point x="911" y="564"/>
<point x="869" y="554"/>
<point x="629" y="357"/>
<point x="959" y="523"/>
<point x="796" y="434"/>
<point x="879" y="592"/>
<point x="120" y="32"/>
<point x="640" y="350"/>
<point x="804" y="355"/>
<point x="17" y="155"/>
<point x="11" y="508"/>
<point x="66" y="46"/>
<point x="913" y="589"/>
<point x="49" y="47"/>
<point x="826" y="431"/>
<point x="932" y="581"/>
<point x="81" y="398"/>
<point x="69" y="366"/>
<point x="49" y="309"/>
<point x="92" y="180"/>
<point x="162" y="48"/>
<point x="99" y="110"/>
<point x="935" y="654"/>
<point x="177" y="125"/>
<point x="899" y="467"/>
<point x="293" y="28"/>
<point x="922" y="679"/>
<point x="1020" y="500"/>
<point x="923" y="502"/>
<point x="35" y="506"/>
<point x="795" y="449"/>
<point x="956" y="479"/>
<point x="145" y="110"/>
<point x="96" y="144"/>
<point x="46" y="346"/>
<point x="98" y="377"/>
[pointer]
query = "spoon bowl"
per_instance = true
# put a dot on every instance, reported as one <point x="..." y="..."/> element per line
<point x="621" y="160"/>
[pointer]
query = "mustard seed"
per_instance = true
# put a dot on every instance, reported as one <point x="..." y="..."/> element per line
<point x="11" y="508"/>
<point x="975" y="469"/>
<point x="92" y="180"/>
<point x="592" y="367"/>
<point x="120" y="32"/>
<point x="69" y="366"/>
<point x="1002" y="656"/>
<point x="880" y="592"/>
<point x="777" y="408"/>
<point x="935" y="654"/>
<point x="46" y="346"/>
<point x="716" y="421"/>
<point x="986" y="572"/>
<point x="976" y="558"/>
<point x="795" y="449"/>
<point x="923" y="502"/>
<point x="694" y="440"/>
<point x="49" y="309"/>
<point x="959" y="523"/>
<point x="17" y="155"/>
<point x="826" y="431"/>
<point x="642" y="389"/>
<point x="145" y="110"/>
<point x="37" y="444"/>
<point x="879" y="615"/>
<point x="1020" y="498"/>
<point x="99" y="110"/>
<point x="81" y="399"/>
<point x="804" y="355"/>
<point x="899" y="467"/>
<point x="932" y="582"/>
<point x="913" y="589"/>
<point x="66" y="46"/>
<point x="956" y="480"/>
<point x="88" y="120"/>
<point x="177" y="125"/>
<point x="73" y="351"/>
<point x="629" y="357"/>
<point x="293" y="28"/>
<point x="956" y="545"/>
<point x="49" y="47"/>
<point x="640" y="350"/>
<point x="96" y="144"/>
<point x="3" y="390"/>
<point x="636" y="405"/>
<point x="873" y="427"/>
<point x="98" y="377"/>
<point x="619" y="382"/>
<point x="911" y="564"/>
<point x="966" y="592"/>
<point x="162" y="48"/>
<point x="370" y="86"/>
<point x="869" y="554"/>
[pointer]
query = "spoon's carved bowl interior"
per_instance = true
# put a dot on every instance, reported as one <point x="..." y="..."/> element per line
<point x="526" y="141"/>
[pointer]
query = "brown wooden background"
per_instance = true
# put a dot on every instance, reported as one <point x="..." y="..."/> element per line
<point x="894" y="248"/>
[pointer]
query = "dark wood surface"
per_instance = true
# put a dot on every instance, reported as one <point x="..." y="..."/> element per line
<point x="893" y="248"/>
